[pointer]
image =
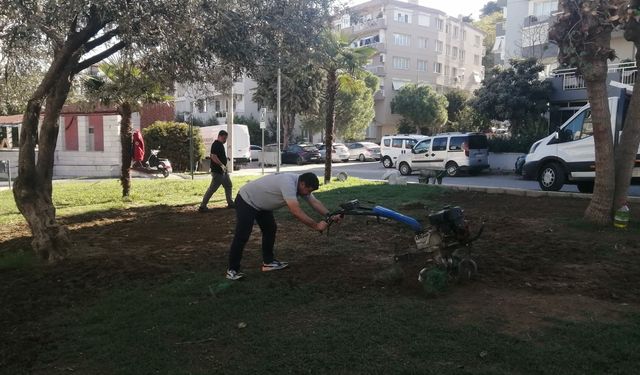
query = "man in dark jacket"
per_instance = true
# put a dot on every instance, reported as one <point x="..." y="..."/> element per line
<point x="219" y="173"/>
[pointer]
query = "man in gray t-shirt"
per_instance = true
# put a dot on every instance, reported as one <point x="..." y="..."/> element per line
<point x="257" y="200"/>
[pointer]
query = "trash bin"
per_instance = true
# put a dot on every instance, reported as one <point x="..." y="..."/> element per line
<point x="271" y="155"/>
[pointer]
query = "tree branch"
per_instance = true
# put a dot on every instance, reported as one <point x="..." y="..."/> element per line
<point x="101" y="39"/>
<point x="82" y="65"/>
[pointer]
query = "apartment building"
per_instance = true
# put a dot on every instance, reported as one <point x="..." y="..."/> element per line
<point x="206" y="103"/>
<point x="414" y="44"/>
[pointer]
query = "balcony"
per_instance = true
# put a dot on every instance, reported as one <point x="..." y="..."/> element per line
<point x="377" y="70"/>
<point x="366" y="26"/>
<point x="625" y="73"/>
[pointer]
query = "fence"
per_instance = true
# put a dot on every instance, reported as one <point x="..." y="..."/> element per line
<point x="572" y="81"/>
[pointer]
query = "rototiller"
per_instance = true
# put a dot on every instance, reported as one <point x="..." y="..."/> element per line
<point x="447" y="242"/>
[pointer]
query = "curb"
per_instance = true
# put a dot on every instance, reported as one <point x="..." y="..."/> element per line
<point x="524" y="192"/>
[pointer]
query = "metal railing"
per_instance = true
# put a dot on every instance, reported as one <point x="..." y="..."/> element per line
<point x="571" y="80"/>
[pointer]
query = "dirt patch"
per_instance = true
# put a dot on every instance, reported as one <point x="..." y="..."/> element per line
<point x="535" y="259"/>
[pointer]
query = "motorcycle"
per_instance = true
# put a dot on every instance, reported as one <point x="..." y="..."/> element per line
<point x="154" y="165"/>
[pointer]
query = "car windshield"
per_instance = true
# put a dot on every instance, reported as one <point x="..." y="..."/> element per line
<point x="370" y="145"/>
<point x="309" y="148"/>
<point x="478" y="141"/>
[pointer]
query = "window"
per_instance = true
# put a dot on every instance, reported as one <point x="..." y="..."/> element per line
<point x="579" y="128"/>
<point x="439" y="46"/>
<point x="448" y="50"/>
<point x="439" y="24"/>
<point x="440" y="144"/>
<point x="456" y="31"/>
<point x="476" y="59"/>
<point x="477" y="40"/>
<point x="446" y="70"/>
<point x="387" y="142"/>
<point x="400" y="63"/>
<point x="402" y="16"/>
<point x="422" y="147"/>
<point x="397" y="143"/>
<point x="217" y="105"/>
<point x="423" y="20"/>
<point x="464" y="34"/>
<point x="409" y="143"/>
<point x="462" y="55"/>
<point x="423" y="42"/>
<point x="90" y="138"/>
<point x="457" y="143"/>
<point x="401" y="39"/>
<point x="437" y="67"/>
<point x="544" y="9"/>
<point x="454" y="72"/>
<point x="369" y="40"/>
<point x="422" y="65"/>
<point x="454" y="53"/>
<point x="447" y="28"/>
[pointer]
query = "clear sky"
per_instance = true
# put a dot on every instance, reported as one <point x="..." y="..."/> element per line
<point x="451" y="7"/>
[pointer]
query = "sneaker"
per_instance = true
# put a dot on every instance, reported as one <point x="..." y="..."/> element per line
<point x="234" y="275"/>
<point x="231" y="205"/>
<point x="275" y="265"/>
<point x="203" y="210"/>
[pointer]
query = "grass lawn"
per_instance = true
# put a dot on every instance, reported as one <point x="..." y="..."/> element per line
<point x="143" y="291"/>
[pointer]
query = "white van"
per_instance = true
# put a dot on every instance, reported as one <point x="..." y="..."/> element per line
<point x="241" y="142"/>
<point x="452" y="152"/>
<point x="392" y="146"/>
<point x="568" y="155"/>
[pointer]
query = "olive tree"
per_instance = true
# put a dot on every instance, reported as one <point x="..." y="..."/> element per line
<point x="183" y="39"/>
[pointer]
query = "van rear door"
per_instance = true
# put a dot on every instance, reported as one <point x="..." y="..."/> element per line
<point x="478" y="149"/>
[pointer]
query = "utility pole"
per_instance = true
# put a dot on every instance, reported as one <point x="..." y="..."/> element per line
<point x="278" y="120"/>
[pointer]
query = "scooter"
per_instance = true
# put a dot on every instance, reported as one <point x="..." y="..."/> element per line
<point x="154" y="165"/>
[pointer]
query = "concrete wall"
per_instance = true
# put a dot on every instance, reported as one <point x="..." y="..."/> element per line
<point x="503" y="161"/>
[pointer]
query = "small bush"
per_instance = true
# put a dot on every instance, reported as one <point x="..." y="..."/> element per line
<point x="519" y="143"/>
<point x="172" y="138"/>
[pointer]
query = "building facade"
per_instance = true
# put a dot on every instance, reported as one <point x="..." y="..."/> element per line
<point x="414" y="44"/>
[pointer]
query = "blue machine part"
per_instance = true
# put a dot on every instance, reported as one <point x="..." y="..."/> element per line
<point x="385" y="212"/>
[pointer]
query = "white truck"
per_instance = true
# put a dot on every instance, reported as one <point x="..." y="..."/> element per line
<point x="241" y="142"/>
<point x="567" y="156"/>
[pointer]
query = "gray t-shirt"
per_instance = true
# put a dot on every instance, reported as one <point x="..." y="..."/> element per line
<point x="271" y="192"/>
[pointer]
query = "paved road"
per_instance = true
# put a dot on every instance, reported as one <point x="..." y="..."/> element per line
<point x="375" y="170"/>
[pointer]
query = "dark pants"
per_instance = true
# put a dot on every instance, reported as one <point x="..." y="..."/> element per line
<point x="245" y="216"/>
<point x="217" y="179"/>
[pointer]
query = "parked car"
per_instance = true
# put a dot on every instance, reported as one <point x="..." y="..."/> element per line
<point x="340" y="152"/>
<point x="301" y="154"/>
<point x="363" y="151"/>
<point x="255" y="152"/>
<point x="453" y="152"/>
<point x="392" y="146"/>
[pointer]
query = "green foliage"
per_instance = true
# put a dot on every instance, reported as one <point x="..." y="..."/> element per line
<point x="515" y="94"/>
<point x="16" y="84"/>
<point x="255" y="133"/>
<point x="490" y="8"/>
<point x="487" y="24"/>
<point x="172" y="139"/>
<point x="457" y="100"/>
<point x="354" y="107"/>
<point x="123" y="81"/>
<point x="422" y="108"/>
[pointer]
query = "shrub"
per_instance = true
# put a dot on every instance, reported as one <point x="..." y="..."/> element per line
<point x="519" y="143"/>
<point x="172" y="139"/>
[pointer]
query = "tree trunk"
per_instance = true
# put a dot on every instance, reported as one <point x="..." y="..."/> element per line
<point x="126" y="132"/>
<point x="288" y="122"/>
<point x="33" y="189"/>
<point x="627" y="150"/>
<point x="332" y="89"/>
<point x="599" y="210"/>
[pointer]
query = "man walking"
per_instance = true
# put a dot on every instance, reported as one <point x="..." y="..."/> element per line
<point x="257" y="200"/>
<point x="219" y="173"/>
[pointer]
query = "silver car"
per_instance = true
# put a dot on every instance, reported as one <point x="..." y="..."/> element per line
<point x="340" y="152"/>
<point x="364" y="151"/>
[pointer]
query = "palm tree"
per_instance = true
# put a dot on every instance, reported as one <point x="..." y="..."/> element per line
<point x="124" y="84"/>
<point x="338" y="57"/>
